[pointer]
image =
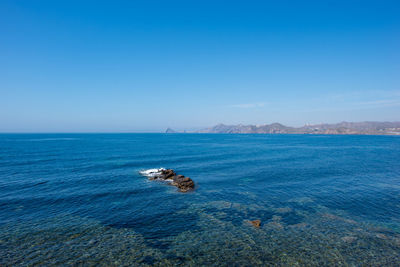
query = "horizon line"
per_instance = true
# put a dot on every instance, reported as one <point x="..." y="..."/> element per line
<point x="184" y="131"/>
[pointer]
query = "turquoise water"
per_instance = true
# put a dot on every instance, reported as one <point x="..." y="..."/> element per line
<point x="78" y="199"/>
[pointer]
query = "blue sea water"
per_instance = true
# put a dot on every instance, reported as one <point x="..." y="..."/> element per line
<point x="78" y="199"/>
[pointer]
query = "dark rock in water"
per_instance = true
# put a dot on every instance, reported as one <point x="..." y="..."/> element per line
<point x="167" y="174"/>
<point x="183" y="183"/>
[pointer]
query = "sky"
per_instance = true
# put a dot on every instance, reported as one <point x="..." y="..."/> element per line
<point x="143" y="66"/>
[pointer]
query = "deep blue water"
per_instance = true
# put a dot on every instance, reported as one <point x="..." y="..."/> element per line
<point x="79" y="199"/>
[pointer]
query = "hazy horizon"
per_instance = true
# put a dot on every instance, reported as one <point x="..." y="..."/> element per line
<point x="180" y="130"/>
<point x="72" y="66"/>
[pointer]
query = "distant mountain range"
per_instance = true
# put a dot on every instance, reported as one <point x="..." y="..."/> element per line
<point x="366" y="128"/>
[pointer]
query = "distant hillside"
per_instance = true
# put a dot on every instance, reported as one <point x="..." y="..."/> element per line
<point x="268" y="128"/>
<point x="169" y="130"/>
<point x="368" y="128"/>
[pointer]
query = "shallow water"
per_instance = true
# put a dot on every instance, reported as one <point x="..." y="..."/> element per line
<point x="79" y="199"/>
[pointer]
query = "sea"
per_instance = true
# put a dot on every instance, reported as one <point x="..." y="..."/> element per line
<point x="80" y="200"/>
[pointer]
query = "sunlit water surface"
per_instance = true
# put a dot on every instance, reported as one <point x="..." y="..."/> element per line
<point x="79" y="199"/>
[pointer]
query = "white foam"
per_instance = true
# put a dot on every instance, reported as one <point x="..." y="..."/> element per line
<point x="151" y="172"/>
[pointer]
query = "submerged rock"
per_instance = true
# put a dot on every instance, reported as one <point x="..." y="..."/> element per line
<point x="256" y="223"/>
<point x="349" y="239"/>
<point x="183" y="183"/>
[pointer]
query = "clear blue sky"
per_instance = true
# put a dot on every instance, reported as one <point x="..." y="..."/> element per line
<point x="120" y="66"/>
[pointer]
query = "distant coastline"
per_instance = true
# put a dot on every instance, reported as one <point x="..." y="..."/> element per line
<point x="342" y="128"/>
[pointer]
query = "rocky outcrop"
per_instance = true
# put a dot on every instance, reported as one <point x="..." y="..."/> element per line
<point x="169" y="130"/>
<point x="183" y="183"/>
